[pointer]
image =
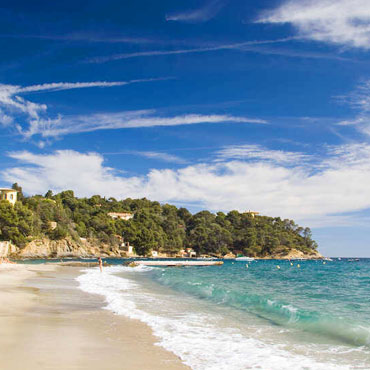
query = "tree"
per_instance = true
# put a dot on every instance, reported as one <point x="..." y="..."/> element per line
<point x="15" y="222"/>
<point x="144" y="242"/>
<point x="184" y="214"/>
<point x="59" y="233"/>
<point x="154" y="226"/>
<point x="18" y="188"/>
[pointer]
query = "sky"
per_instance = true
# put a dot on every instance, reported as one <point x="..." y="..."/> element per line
<point x="205" y="104"/>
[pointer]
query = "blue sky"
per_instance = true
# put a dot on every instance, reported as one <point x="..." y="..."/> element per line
<point x="208" y="104"/>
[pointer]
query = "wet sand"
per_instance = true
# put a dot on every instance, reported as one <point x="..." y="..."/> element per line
<point x="47" y="323"/>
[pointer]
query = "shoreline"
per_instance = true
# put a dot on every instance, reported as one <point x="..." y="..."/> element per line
<point x="62" y="260"/>
<point x="47" y="322"/>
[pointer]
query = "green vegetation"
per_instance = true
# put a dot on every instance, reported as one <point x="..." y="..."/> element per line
<point x="164" y="228"/>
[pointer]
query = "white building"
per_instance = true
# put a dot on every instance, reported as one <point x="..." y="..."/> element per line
<point x="253" y="214"/>
<point x="121" y="215"/>
<point x="126" y="247"/>
<point x="8" y="194"/>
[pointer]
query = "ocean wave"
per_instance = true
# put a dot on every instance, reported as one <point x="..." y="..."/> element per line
<point x="273" y="311"/>
<point x="199" y="343"/>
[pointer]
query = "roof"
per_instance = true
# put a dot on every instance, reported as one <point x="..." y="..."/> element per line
<point x="120" y="213"/>
<point x="7" y="189"/>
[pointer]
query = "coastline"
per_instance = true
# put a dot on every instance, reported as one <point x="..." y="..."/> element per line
<point x="48" y="323"/>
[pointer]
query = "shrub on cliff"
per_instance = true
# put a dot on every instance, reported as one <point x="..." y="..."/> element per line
<point x="15" y="222"/>
<point x="163" y="227"/>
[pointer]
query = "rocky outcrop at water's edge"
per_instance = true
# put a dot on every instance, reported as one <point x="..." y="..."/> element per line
<point x="46" y="248"/>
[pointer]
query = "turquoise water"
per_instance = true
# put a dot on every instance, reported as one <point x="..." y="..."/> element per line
<point x="332" y="299"/>
<point x="312" y="316"/>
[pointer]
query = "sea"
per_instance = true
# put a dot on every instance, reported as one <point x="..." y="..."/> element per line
<point x="263" y="314"/>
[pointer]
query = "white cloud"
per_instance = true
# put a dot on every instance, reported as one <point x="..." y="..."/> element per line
<point x="13" y="105"/>
<point x="160" y="156"/>
<point x="57" y="86"/>
<point x="122" y="120"/>
<point x="257" y="152"/>
<point x="203" y="14"/>
<point x="359" y="100"/>
<point x="12" y="102"/>
<point x="38" y="123"/>
<point x="316" y="196"/>
<point x="342" y="22"/>
<point x="5" y="120"/>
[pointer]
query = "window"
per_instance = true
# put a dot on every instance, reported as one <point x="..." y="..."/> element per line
<point x="11" y="196"/>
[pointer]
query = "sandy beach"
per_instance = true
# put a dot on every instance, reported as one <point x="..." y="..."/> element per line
<point x="47" y="323"/>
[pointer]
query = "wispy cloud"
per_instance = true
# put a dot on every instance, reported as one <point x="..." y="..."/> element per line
<point x="123" y="120"/>
<point x="5" y="120"/>
<point x="10" y="94"/>
<point x="259" y="153"/>
<point x="86" y="37"/>
<point x="57" y="86"/>
<point x="155" y="155"/>
<point x="342" y="22"/>
<point x="161" y="156"/>
<point x="203" y="14"/>
<point x="15" y="108"/>
<point x="338" y="187"/>
<point x="241" y="46"/>
<point x="294" y="53"/>
<point x="359" y="100"/>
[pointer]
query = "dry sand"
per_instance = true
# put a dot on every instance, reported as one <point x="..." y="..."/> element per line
<point x="47" y="323"/>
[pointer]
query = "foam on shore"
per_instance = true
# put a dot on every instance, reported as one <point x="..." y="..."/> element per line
<point x="193" y="336"/>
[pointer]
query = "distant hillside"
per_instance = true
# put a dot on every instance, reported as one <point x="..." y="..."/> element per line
<point x="164" y="228"/>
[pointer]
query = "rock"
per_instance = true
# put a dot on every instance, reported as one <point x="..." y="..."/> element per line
<point x="229" y="256"/>
<point x="46" y="248"/>
<point x="294" y="254"/>
<point x="133" y="264"/>
<point x="7" y="249"/>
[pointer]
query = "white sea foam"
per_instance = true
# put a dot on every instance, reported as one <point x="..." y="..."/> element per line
<point x="197" y="340"/>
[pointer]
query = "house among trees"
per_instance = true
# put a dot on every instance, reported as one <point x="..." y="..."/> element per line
<point x="126" y="247"/>
<point x="121" y="215"/>
<point x="190" y="252"/>
<point x="153" y="227"/>
<point x="154" y="253"/>
<point x="8" y="194"/>
<point x="253" y="214"/>
<point x="187" y="253"/>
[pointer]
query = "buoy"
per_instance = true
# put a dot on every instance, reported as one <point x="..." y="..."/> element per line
<point x="247" y="266"/>
<point x="324" y="263"/>
<point x="298" y="265"/>
<point x="278" y="267"/>
<point x="291" y="263"/>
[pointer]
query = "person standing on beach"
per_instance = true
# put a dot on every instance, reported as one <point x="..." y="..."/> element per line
<point x="100" y="264"/>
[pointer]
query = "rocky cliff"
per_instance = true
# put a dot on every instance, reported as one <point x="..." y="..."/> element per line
<point x="46" y="248"/>
<point x="7" y="249"/>
<point x="295" y="254"/>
